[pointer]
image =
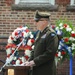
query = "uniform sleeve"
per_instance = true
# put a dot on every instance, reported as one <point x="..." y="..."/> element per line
<point x="51" y="48"/>
<point x="32" y="52"/>
<point x="32" y="55"/>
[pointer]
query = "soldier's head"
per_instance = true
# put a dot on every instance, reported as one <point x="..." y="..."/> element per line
<point x="42" y="19"/>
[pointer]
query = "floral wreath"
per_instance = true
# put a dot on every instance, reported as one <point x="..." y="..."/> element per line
<point x="66" y="35"/>
<point x="20" y="35"/>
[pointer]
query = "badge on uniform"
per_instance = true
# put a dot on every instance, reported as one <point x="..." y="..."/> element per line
<point x="52" y="34"/>
<point x="43" y="36"/>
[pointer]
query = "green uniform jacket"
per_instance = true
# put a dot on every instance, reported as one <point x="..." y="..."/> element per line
<point x="46" y="45"/>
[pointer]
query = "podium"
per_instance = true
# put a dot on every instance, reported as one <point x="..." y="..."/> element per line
<point x="17" y="70"/>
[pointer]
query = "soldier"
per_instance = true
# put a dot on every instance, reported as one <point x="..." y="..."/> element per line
<point x="46" y="45"/>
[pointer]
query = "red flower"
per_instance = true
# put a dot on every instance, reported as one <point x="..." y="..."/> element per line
<point x="8" y="46"/>
<point x="13" y="62"/>
<point x="56" y="54"/>
<point x="12" y="51"/>
<point x="73" y="34"/>
<point x="66" y="39"/>
<point x="21" y="62"/>
<point x="8" y="55"/>
<point x="26" y="57"/>
<point x="32" y="40"/>
<point x="22" y="34"/>
<point x="16" y="33"/>
<point x="65" y="25"/>
<point x="27" y="30"/>
<point x="12" y="38"/>
<point x="20" y="26"/>
<point x="63" y="52"/>
<point x="53" y="26"/>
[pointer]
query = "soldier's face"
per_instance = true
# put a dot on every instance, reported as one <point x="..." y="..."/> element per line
<point x="41" y="24"/>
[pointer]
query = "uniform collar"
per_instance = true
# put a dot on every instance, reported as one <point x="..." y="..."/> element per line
<point x="45" y="29"/>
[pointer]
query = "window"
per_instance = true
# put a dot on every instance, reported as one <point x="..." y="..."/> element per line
<point x="72" y="2"/>
<point x="71" y="7"/>
<point x="35" y="1"/>
<point x="35" y="4"/>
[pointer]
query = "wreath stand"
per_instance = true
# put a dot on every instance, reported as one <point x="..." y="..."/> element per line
<point x="17" y="70"/>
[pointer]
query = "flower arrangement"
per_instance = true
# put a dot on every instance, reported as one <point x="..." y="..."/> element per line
<point x="18" y="35"/>
<point x="66" y="35"/>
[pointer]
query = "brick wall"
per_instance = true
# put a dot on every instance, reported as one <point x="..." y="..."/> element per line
<point x="11" y="19"/>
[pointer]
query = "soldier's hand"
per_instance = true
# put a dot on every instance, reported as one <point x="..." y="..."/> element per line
<point x="31" y="63"/>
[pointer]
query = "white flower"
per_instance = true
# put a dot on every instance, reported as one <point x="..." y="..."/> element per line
<point x="58" y="32"/>
<point x="57" y="28"/>
<point x="61" y="27"/>
<point x="31" y="36"/>
<point x="68" y="29"/>
<point x="24" y="28"/>
<point x="8" y="51"/>
<point x="59" y="54"/>
<point x="14" y="39"/>
<point x="13" y="48"/>
<point x="71" y="38"/>
<point x="28" y="53"/>
<point x="29" y="42"/>
<point x="61" y="24"/>
<point x="72" y="32"/>
<point x="73" y="46"/>
<point x="33" y="47"/>
<point x="25" y="34"/>
<point x="10" y="41"/>
<point x="18" y="62"/>
<point x="59" y="47"/>
<point x="23" y="59"/>
<point x="15" y="57"/>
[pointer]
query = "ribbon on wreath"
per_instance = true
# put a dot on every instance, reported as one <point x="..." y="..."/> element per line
<point x="70" y="53"/>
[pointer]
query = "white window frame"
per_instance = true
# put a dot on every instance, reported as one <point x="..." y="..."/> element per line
<point x="72" y="2"/>
<point x="50" y="1"/>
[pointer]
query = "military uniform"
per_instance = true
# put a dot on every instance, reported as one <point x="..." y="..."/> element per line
<point x="46" y="45"/>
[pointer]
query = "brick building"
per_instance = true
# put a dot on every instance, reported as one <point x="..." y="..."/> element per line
<point x="14" y="13"/>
